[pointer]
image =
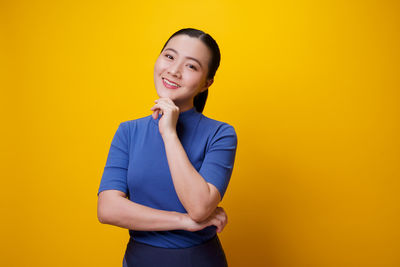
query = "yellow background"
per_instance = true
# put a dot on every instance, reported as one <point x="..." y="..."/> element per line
<point x="311" y="87"/>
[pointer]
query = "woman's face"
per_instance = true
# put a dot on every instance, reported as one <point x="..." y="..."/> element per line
<point x="180" y="71"/>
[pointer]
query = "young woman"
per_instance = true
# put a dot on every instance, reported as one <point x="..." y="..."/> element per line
<point x="166" y="173"/>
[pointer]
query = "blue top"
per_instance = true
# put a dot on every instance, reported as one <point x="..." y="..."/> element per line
<point x="137" y="165"/>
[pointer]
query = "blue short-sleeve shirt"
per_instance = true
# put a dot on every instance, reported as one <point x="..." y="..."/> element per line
<point x="137" y="165"/>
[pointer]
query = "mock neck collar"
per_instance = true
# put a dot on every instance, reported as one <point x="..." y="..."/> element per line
<point x="187" y="114"/>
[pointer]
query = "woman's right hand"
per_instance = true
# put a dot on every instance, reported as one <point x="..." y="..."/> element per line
<point x="218" y="218"/>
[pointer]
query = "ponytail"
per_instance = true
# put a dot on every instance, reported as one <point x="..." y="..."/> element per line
<point x="199" y="101"/>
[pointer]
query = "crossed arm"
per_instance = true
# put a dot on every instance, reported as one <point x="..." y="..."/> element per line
<point x="115" y="209"/>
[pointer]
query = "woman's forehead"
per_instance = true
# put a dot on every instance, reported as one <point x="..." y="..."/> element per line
<point x="187" y="46"/>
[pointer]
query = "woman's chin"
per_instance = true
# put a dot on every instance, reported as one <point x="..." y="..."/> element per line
<point x="164" y="94"/>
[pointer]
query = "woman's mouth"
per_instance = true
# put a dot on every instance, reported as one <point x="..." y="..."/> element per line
<point x="169" y="84"/>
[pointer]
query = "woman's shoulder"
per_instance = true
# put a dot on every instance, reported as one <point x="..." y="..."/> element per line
<point x="213" y="122"/>
<point x="217" y="126"/>
<point x="136" y="122"/>
<point x="134" y="126"/>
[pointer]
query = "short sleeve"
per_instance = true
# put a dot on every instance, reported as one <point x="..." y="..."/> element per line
<point x="115" y="171"/>
<point x="219" y="158"/>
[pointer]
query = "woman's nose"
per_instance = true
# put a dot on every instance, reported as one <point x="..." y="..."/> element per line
<point x="174" y="70"/>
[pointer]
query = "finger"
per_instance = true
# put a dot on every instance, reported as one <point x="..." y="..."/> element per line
<point x="167" y="102"/>
<point x="222" y="228"/>
<point x="155" y="114"/>
<point x="222" y="220"/>
<point x="158" y="109"/>
<point x="220" y="217"/>
<point x="168" y="110"/>
<point x="156" y="106"/>
<point x="159" y="106"/>
<point x="167" y="105"/>
<point x="218" y="224"/>
<point x="221" y="212"/>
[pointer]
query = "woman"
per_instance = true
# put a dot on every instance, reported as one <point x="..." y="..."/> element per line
<point x="174" y="166"/>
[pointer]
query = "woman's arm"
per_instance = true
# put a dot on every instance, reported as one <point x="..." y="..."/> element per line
<point x="198" y="197"/>
<point x="114" y="208"/>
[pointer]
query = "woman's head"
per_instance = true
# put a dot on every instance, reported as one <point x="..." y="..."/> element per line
<point x="186" y="68"/>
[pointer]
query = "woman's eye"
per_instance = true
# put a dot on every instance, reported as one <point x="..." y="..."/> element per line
<point x="169" y="56"/>
<point x="192" y="67"/>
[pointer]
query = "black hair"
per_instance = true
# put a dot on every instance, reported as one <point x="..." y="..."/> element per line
<point x="199" y="100"/>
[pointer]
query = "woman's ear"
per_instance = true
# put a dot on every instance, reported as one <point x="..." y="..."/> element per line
<point x="208" y="84"/>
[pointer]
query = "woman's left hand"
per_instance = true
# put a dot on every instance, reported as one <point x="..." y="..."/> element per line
<point x="170" y="114"/>
<point x="218" y="218"/>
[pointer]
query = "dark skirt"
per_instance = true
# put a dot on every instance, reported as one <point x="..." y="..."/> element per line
<point x="210" y="254"/>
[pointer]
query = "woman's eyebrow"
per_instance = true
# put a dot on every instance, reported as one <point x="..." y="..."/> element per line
<point x="192" y="58"/>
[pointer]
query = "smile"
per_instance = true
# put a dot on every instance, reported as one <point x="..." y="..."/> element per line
<point x="170" y="84"/>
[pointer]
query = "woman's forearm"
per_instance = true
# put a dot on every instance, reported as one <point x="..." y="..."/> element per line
<point x="117" y="210"/>
<point x="193" y="191"/>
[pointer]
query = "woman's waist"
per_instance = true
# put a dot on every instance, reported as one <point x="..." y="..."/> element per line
<point x="173" y="239"/>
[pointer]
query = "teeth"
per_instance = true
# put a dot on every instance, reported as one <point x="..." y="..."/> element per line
<point x="170" y="83"/>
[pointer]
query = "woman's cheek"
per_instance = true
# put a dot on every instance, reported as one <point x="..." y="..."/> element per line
<point x="194" y="79"/>
<point x="163" y="64"/>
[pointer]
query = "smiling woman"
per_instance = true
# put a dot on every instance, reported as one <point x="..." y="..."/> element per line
<point x="182" y="64"/>
<point x="166" y="173"/>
